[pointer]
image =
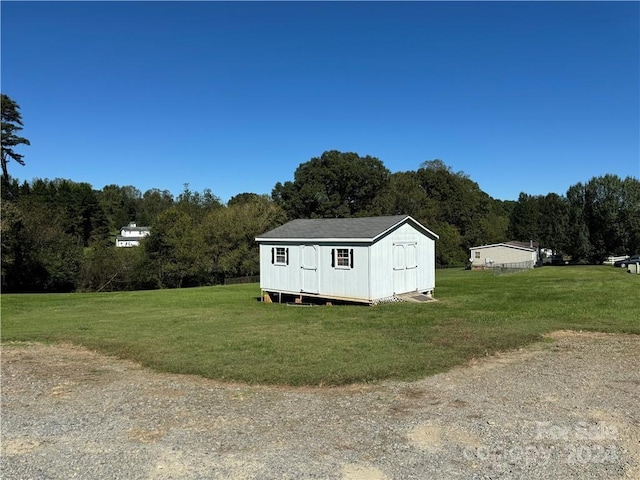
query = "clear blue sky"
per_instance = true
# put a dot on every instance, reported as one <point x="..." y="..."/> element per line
<point x="531" y="97"/>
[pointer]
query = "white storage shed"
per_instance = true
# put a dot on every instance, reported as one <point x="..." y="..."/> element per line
<point x="367" y="259"/>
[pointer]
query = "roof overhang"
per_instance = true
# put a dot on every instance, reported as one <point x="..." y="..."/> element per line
<point x="415" y="223"/>
<point x="408" y="219"/>
<point x="314" y="239"/>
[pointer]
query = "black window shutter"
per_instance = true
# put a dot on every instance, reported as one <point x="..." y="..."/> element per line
<point x="287" y="256"/>
<point x="273" y="255"/>
<point x="333" y="257"/>
<point x="351" y="258"/>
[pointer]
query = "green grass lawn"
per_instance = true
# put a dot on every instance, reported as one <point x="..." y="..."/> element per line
<point x="224" y="333"/>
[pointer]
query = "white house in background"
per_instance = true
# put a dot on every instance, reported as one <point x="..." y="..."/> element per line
<point x="131" y="235"/>
<point x="355" y="259"/>
<point x="498" y="254"/>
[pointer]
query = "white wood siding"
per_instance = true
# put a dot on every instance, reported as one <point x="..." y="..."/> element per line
<point x="345" y="282"/>
<point x="392" y="254"/>
<point x="275" y="277"/>
<point x="125" y="232"/>
<point x="127" y="243"/>
<point x="300" y="277"/>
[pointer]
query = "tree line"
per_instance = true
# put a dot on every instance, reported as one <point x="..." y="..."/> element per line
<point x="59" y="235"/>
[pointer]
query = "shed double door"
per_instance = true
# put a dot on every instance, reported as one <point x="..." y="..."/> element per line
<point x="309" y="268"/>
<point x="405" y="267"/>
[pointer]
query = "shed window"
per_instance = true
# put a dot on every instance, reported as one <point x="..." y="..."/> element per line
<point x="280" y="256"/>
<point x="342" y="258"/>
<point x="477" y="254"/>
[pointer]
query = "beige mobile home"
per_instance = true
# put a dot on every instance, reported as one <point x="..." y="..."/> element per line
<point x="506" y="253"/>
<point x="366" y="260"/>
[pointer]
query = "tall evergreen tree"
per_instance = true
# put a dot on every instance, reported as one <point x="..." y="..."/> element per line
<point x="11" y="125"/>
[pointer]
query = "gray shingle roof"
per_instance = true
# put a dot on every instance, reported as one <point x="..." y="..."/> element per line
<point x="363" y="228"/>
<point x="511" y="244"/>
<point x="523" y="245"/>
<point x="136" y="229"/>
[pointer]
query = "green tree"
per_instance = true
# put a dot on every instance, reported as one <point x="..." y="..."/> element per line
<point x="449" y="249"/>
<point x="85" y="216"/>
<point x="18" y="262"/>
<point x="106" y="268"/>
<point x="553" y="222"/>
<point x="604" y="217"/>
<point x="120" y="205"/>
<point x="495" y="224"/>
<point x="461" y="203"/>
<point x="76" y="205"/>
<point x="152" y="204"/>
<point x="11" y="125"/>
<point x="229" y="235"/>
<point x="541" y="218"/>
<point x="336" y="184"/>
<point x="525" y="218"/>
<point x="406" y="196"/>
<point x="577" y="243"/>
<point x="605" y="202"/>
<point x="37" y="254"/>
<point x="176" y="250"/>
<point x="196" y="204"/>
<point x="630" y="215"/>
<point x="242" y="198"/>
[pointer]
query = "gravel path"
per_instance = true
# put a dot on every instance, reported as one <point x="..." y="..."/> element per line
<point x="566" y="409"/>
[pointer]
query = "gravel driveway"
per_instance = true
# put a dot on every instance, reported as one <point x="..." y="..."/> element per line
<point x="566" y="409"/>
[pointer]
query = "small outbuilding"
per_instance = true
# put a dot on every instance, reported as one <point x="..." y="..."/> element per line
<point x="504" y="254"/>
<point x="367" y="260"/>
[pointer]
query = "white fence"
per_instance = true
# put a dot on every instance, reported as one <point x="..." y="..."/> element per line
<point x="611" y="260"/>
